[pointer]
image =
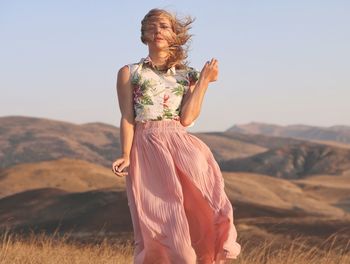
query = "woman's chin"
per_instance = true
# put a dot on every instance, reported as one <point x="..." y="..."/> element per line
<point x="160" y="47"/>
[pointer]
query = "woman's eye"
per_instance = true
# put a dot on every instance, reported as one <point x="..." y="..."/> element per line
<point x="162" y="26"/>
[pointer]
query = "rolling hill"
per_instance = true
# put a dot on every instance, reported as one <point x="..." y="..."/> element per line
<point x="57" y="175"/>
<point x="252" y="196"/>
<point x="337" y="133"/>
<point x="66" y="174"/>
<point x="294" y="161"/>
<point x="29" y="139"/>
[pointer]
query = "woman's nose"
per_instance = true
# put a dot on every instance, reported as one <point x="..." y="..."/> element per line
<point x="157" y="29"/>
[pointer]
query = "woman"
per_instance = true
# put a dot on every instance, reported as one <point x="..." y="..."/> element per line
<point x="175" y="190"/>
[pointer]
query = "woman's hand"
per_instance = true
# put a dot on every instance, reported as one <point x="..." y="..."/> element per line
<point x="120" y="165"/>
<point x="210" y="71"/>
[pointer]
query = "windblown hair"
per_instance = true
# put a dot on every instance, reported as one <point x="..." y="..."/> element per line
<point x="179" y="44"/>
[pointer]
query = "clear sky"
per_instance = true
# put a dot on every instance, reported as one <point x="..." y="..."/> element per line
<point x="280" y="62"/>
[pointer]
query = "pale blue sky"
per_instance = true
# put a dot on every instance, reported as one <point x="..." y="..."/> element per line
<point x="281" y="62"/>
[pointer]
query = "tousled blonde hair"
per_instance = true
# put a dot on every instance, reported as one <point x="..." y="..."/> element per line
<point x="179" y="44"/>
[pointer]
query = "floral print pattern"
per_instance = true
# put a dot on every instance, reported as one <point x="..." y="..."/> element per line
<point x="158" y="95"/>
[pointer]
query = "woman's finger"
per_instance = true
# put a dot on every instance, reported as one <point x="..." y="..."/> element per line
<point x="215" y="62"/>
<point x="115" y="167"/>
<point x="121" y="168"/>
<point x="117" y="163"/>
<point x="120" y="174"/>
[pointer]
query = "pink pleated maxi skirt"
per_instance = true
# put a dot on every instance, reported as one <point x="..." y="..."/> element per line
<point x="179" y="209"/>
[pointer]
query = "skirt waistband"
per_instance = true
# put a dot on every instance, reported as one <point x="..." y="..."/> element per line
<point x="159" y="125"/>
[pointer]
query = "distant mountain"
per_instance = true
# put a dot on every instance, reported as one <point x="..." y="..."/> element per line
<point x="338" y="133"/>
<point x="29" y="139"/>
<point x="262" y="141"/>
<point x="294" y="161"/>
<point x="226" y="147"/>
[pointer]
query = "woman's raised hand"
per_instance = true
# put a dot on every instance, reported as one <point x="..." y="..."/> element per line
<point x="210" y="71"/>
<point x="120" y="165"/>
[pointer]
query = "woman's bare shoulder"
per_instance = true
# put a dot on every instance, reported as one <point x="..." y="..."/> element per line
<point x="125" y="70"/>
<point x="123" y="75"/>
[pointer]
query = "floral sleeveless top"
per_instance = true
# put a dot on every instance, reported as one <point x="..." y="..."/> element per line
<point x="158" y="95"/>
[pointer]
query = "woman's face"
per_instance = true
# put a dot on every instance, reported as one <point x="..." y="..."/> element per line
<point x="159" y="33"/>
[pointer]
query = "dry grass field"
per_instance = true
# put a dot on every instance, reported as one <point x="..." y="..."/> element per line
<point x="40" y="248"/>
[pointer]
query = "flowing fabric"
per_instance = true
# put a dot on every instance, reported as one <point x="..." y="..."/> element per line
<point x="175" y="190"/>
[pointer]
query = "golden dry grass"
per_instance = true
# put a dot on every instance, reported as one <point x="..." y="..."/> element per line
<point x="39" y="248"/>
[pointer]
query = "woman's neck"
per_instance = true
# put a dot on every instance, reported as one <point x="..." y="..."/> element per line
<point x="158" y="58"/>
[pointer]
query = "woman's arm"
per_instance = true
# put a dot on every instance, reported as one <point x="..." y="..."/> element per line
<point x="127" y="121"/>
<point x="192" y="101"/>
